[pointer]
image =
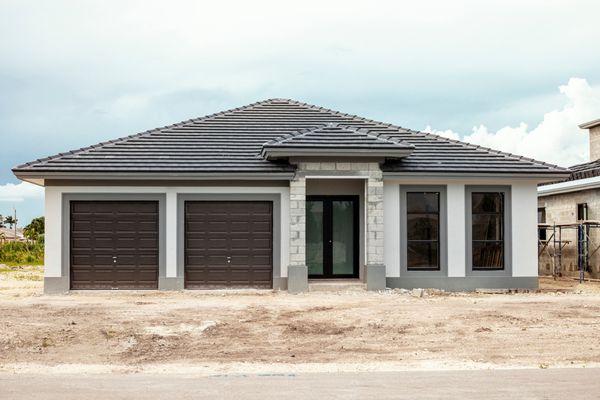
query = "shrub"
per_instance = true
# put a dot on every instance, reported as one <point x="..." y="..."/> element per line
<point x="22" y="253"/>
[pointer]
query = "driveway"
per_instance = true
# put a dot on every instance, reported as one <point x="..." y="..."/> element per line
<point x="489" y="384"/>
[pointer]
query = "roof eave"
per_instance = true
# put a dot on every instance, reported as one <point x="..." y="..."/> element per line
<point x="569" y="186"/>
<point x="539" y="177"/>
<point x="590" y="124"/>
<point x="277" y="154"/>
<point x="38" y="176"/>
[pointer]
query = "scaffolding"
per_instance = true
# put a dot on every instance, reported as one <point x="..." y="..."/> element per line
<point x="551" y="242"/>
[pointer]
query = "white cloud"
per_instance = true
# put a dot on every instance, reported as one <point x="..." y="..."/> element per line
<point x="557" y="138"/>
<point x="19" y="192"/>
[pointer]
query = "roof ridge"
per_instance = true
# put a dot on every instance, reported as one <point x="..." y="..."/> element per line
<point x="382" y="137"/>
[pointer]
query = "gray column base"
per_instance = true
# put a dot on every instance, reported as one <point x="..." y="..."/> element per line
<point x="375" y="274"/>
<point x="56" y="285"/>
<point x="297" y="281"/>
<point x="280" y="283"/>
<point x="170" y="283"/>
<point x="467" y="283"/>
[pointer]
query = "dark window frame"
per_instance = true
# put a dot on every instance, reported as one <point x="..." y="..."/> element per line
<point x="443" y="231"/>
<point x="542" y="233"/>
<point x="582" y="211"/>
<point x="507" y="271"/>
<point x="493" y="214"/>
<point x="430" y="241"/>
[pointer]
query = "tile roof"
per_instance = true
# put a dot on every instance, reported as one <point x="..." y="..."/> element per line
<point x="231" y="142"/>
<point x="585" y="170"/>
<point x="335" y="138"/>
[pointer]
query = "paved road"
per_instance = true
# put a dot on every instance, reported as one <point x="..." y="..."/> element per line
<point x="488" y="384"/>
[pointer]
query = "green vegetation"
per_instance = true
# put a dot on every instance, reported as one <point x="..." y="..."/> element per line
<point x="22" y="253"/>
<point x="35" y="229"/>
<point x="10" y="221"/>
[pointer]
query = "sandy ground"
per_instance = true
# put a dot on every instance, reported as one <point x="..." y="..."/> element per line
<point x="258" y="330"/>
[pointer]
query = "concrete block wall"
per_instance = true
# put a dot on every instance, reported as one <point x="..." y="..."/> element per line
<point x="298" y="221"/>
<point x="562" y="209"/>
<point x="595" y="143"/>
<point x="371" y="172"/>
<point x="374" y="204"/>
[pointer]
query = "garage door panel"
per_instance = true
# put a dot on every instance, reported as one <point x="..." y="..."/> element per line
<point x="103" y="230"/>
<point x="228" y="244"/>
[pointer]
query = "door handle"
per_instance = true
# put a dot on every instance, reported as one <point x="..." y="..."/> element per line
<point x="114" y="259"/>
<point x="228" y="260"/>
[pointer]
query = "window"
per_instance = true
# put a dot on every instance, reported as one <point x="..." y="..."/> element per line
<point x="541" y="220"/>
<point x="582" y="212"/>
<point x="487" y="234"/>
<point x="423" y="231"/>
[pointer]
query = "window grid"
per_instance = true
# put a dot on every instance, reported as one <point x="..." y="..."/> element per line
<point x="488" y="253"/>
<point x="424" y="210"/>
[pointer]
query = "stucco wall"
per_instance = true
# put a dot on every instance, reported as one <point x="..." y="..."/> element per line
<point x="522" y="224"/>
<point x="53" y="215"/>
<point x="562" y="209"/>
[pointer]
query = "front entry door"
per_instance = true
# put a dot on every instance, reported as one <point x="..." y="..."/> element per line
<point x="332" y="236"/>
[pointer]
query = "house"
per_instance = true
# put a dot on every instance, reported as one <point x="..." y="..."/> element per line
<point x="573" y="205"/>
<point x="278" y="192"/>
<point x="7" y="234"/>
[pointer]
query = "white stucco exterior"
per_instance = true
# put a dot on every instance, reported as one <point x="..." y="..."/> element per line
<point x="523" y="223"/>
<point x="54" y="217"/>
<point x="523" y="203"/>
<point x="524" y="229"/>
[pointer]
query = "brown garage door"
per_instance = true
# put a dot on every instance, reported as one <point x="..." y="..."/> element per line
<point x="228" y="244"/>
<point x="114" y="245"/>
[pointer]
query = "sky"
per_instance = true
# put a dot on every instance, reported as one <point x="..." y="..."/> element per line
<point x="513" y="75"/>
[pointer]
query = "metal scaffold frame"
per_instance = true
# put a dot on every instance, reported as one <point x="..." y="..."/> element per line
<point x="553" y="245"/>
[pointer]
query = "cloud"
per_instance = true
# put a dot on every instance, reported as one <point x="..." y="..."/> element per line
<point x="20" y="192"/>
<point x="556" y="139"/>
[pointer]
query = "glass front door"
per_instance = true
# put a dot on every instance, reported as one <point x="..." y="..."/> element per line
<point x="332" y="236"/>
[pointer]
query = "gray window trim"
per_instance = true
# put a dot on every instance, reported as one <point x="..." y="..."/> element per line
<point x="275" y="198"/>
<point x="507" y="271"/>
<point x="443" y="231"/>
<point x="66" y="224"/>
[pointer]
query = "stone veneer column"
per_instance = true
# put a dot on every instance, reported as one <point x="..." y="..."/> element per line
<point x="297" y="270"/>
<point x="375" y="268"/>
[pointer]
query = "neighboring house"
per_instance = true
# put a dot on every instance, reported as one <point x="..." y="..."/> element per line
<point x="8" y="235"/>
<point x="571" y="202"/>
<point x="278" y="192"/>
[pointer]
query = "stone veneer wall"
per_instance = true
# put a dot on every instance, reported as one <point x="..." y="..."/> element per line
<point x="594" y="143"/>
<point x="562" y="209"/>
<point x="373" y="201"/>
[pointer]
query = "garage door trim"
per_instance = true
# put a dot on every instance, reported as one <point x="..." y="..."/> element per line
<point x="66" y="224"/>
<point x="275" y="198"/>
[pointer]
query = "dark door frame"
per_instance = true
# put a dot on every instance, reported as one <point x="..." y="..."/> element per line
<point x="328" y="235"/>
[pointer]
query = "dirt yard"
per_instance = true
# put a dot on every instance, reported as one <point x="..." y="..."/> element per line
<point x="558" y="326"/>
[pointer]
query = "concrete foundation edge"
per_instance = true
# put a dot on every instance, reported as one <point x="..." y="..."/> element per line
<point x="280" y="283"/>
<point x="375" y="274"/>
<point x="56" y="285"/>
<point x="170" y="283"/>
<point x="297" y="281"/>
<point x="468" y="283"/>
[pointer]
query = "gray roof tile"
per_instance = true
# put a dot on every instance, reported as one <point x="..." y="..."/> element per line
<point x="232" y="141"/>
<point x="334" y="138"/>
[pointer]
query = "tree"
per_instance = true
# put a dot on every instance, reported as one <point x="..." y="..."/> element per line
<point x="10" y="220"/>
<point x="35" y="229"/>
<point x="1" y="221"/>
